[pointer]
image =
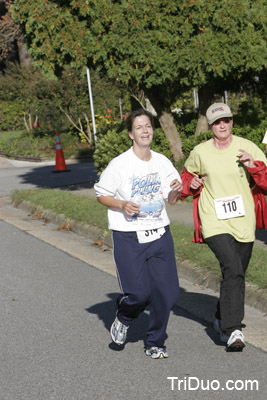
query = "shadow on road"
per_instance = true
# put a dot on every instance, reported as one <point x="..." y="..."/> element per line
<point x="106" y="313"/>
<point x="44" y="176"/>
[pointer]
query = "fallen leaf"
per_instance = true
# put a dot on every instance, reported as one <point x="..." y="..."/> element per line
<point x="98" y="243"/>
<point x="64" y="227"/>
<point x="106" y="249"/>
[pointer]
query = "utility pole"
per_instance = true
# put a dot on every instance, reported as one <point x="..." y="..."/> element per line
<point x="91" y="102"/>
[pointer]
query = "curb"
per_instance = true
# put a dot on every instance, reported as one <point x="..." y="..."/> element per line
<point x="255" y="297"/>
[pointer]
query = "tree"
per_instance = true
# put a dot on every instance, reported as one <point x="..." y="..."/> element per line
<point x="78" y="33"/>
<point x="12" y="45"/>
<point x="158" y="46"/>
<point x="57" y="103"/>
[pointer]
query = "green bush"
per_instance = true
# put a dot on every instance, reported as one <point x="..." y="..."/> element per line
<point x="26" y="91"/>
<point x="116" y="141"/>
<point x="110" y="145"/>
<point x="253" y="134"/>
<point x="23" y="143"/>
<point x="11" y="115"/>
<point x="189" y="142"/>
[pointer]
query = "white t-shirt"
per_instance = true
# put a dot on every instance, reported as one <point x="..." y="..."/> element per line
<point x="147" y="183"/>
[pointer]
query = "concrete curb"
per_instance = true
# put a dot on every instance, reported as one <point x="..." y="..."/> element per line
<point x="255" y="297"/>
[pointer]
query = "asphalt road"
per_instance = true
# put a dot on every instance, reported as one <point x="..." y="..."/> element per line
<point x="55" y="344"/>
<point x="26" y="175"/>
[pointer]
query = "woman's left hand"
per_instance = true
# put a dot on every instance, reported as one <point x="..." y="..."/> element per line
<point x="246" y="159"/>
<point x="176" y="185"/>
<point x="175" y="193"/>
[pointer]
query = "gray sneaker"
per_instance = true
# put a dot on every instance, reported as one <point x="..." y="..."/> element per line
<point x="157" y="352"/>
<point x="236" y="341"/>
<point x="118" y="332"/>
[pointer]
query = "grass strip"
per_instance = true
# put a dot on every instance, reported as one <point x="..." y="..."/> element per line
<point x="89" y="211"/>
<point x="78" y="208"/>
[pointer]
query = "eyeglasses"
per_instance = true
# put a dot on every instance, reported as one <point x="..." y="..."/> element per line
<point x="225" y="120"/>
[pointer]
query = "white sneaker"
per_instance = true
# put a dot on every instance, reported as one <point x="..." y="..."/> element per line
<point x="118" y="332"/>
<point x="236" y="341"/>
<point x="157" y="352"/>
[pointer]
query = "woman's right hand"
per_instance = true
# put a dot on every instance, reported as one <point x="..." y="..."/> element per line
<point x="130" y="208"/>
<point x="196" y="183"/>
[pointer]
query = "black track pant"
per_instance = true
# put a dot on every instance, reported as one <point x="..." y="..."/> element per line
<point x="233" y="257"/>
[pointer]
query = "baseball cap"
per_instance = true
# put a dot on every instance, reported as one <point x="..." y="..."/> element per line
<point x="217" y="111"/>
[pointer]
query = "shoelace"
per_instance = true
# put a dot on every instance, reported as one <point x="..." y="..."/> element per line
<point x="123" y="328"/>
<point x="156" y="350"/>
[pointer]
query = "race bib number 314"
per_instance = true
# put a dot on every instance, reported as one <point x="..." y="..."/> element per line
<point x="229" y="207"/>
<point x="150" y="235"/>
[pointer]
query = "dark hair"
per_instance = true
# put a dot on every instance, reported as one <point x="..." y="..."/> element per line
<point x="137" y="113"/>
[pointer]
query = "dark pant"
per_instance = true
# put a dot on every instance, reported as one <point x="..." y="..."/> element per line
<point x="233" y="257"/>
<point x="147" y="275"/>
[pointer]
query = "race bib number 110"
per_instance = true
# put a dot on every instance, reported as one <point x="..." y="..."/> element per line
<point x="229" y="207"/>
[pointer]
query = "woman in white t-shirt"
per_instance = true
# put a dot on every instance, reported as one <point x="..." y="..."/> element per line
<point x="133" y="187"/>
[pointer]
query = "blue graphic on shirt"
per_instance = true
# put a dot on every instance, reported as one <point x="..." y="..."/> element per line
<point x="146" y="191"/>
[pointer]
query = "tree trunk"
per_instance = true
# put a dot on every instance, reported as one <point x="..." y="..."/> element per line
<point x="169" y="128"/>
<point x="167" y="124"/>
<point x="205" y="95"/>
<point x="24" y="56"/>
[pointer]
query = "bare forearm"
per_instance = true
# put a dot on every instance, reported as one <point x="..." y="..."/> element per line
<point x="111" y="202"/>
<point x="175" y="193"/>
<point x="128" y="207"/>
<point x="174" y="196"/>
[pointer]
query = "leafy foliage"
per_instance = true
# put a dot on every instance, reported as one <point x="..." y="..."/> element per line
<point x="32" y="97"/>
<point x="110" y="145"/>
<point x="11" y="115"/>
<point x="27" y="92"/>
<point x="152" y="43"/>
<point x="160" y="46"/>
<point x="23" y="143"/>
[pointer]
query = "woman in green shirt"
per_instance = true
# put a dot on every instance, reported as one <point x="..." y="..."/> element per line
<point x="221" y="169"/>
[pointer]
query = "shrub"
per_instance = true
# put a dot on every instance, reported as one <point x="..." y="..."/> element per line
<point x="253" y="134"/>
<point x="11" y="115"/>
<point x="23" y="143"/>
<point x="54" y="101"/>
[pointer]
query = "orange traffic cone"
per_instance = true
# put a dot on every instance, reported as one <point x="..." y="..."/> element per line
<point x="60" y="160"/>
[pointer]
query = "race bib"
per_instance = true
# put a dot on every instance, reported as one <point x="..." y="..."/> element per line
<point x="229" y="207"/>
<point x="150" y="235"/>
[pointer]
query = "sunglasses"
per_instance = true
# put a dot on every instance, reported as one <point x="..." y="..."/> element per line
<point x="225" y="120"/>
